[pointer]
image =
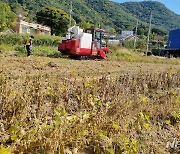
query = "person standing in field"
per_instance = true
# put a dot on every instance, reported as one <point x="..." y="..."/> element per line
<point x="29" y="45"/>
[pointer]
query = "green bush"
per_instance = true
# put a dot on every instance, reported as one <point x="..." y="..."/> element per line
<point x="6" y="47"/>
<point x="13" y="39"/>
<point x="16" y="39"/>
<point x="45" y="51"/>
<point x="47" y="40"/>
<point x="139" y="44"/>
<point x="128" y="44"/>
<point x="156" y="51"/>
<point x="21" y="50"/>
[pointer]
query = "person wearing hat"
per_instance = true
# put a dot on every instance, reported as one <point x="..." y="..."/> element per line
<point x="29" y="45"/>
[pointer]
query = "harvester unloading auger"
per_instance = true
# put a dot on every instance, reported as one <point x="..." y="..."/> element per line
<point x="89" y="43"/>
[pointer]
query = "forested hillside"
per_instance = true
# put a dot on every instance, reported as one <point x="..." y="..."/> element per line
<point x="162" y="16"/>
<point x="101" y="12"/>
<point x="108" y="14"/>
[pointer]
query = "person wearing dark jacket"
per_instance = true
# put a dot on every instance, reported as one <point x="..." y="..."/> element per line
<point x="29" y="45"/>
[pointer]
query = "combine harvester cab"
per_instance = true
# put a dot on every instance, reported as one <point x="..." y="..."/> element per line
<point x="89" y="43"/>
<point x="173" y="45"/>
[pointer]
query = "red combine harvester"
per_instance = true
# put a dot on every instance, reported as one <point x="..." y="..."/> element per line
<point x="89" y="43"/>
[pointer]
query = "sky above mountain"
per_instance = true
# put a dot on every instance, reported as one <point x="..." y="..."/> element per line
<point x="171" y="4"/>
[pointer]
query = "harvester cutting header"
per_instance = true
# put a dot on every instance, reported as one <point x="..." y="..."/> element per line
<point x="89" y="43"/>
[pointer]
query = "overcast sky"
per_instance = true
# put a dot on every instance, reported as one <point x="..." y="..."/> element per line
<point x="173" y="5"/>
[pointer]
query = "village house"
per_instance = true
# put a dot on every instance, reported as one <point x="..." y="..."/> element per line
<point x="108" y="34"/>
<point x="158" y="41"/>
<point x="125" y="36"/>
<point x="23" y="27"/>
<point x="159" y="38"/>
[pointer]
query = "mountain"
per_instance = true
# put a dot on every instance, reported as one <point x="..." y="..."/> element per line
<point x="103" y="12"/>
<point x="162" y="16"/>
<point x="108" y="14"/>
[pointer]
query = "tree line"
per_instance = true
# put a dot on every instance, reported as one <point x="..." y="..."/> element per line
<point x="58" y="20"/>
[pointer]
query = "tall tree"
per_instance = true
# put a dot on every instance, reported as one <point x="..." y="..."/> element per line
<point x="56" y="19"/>
<point x="7" y="17"/>
<point x="85" y="25"/>
<point x="19" y="9"/>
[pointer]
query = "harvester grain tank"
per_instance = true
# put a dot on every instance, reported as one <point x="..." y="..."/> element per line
<point x="89" y="43"/>
<point x="173" y="44"/>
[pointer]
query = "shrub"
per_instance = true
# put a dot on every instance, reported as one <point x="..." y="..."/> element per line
<point x="47" y="40"/>
<point x="6" y="47"/>
<point x="128" y="44"/>
<point x="156" y="52"/>
<point x="13" y="39"/>
<point x="45" y="51"/>
<point x="16" y="39"/>
<point x="139" y="44"/>
<point x="21" y="50"/>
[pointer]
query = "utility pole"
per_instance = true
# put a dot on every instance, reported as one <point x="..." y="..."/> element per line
<point x="149" y="32"/>
<point x="70" y="14"/>
<point x="135" y="39"/>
